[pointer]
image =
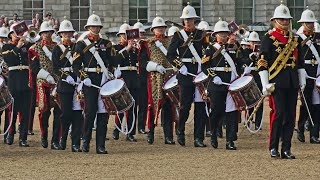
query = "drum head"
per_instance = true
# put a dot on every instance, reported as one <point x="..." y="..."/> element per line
<point x="239" y="83"/>
<point x="173" y="81"/>
<point x="111" y="87"/>
<point x="200" y="77"/>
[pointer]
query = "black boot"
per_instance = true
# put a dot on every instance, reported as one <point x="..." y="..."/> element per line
<point x="23" y="143"/>
<point x="169" y="140"/>
<point x="115" y="134"/>
<point x="44" y="142"/>
<point x="181" y="138"/>
<point x="230" y="146"/>
<point x="214" y="140"/>
<point x="101" y="150"/>
<point x="10" y="139"/>
<point x="55" y="146"/>
<point x="63" y="143"/>
<point x="314" y="140"/>
<point x="287" y="155"/>
<point x="300" y="136"/>
<point x="131" y="138"/>
<point x="199" y="143"/>
<point x="86" y="146"/>
<point x="274" y="153"/>
<point x="150" y="137"/>
<point x="76" y="148"/>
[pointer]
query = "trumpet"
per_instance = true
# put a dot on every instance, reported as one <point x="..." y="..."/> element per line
<point x="243" y="31"/>
<point x="32" y="36"/>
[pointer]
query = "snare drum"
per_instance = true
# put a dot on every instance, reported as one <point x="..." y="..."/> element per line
<point x="116" y="96"/>
<point x="55" y="98"/>
<point x="245" y="92"/>
<point x="201" y="80"/>
<point x="172" y="90"/>
<point x="5" y="95"/>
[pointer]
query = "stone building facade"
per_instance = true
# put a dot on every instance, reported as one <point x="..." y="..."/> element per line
<point x="114" y="12"/>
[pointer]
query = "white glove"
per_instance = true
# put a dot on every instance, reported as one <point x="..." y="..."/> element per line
<point x="117" y="73"/>
<point x="247" y="70"/>
<point x="184" y="70"/>
<point x="70" y="80"/>
<point x="161" y="69"/>
<point x="266" y="86"/>
<point x="50" y="79"/>
<point x="87" y="82"/>
<point x="217" y="80"/>
<point x="302" y="78"/>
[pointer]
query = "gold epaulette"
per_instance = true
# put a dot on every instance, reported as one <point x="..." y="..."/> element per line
<point x="262" y="62"/>
<point x="211" y="72"/>
<point x="63" y="73"/>
<point x="205" y="59"/>
<point x="75" y="56"/>
<point x="6" y="52"/>
<point x="83" y="74"/>
<point x="178" y="63"/>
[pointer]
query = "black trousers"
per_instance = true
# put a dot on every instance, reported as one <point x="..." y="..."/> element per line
<point x="316" y="121"/>
<point x="143" y="106"/>
<point x="44" y="118"/>
<point x="21" y="105"/>
<point x="70" y="117"/>
<point x="131" y="113"/>
<point x="167" y="115"/>
<point x="200" y="119"/>
<point x="218" y="112"/>
<point x="258" y="117"/>
<point x="304" y="116"/>
<point x="283" y="103"/>
<point x="32" y="109"/>
<point x="91" y="107"/>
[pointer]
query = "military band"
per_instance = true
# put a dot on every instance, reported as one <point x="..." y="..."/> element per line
<point x="69" y="76"/>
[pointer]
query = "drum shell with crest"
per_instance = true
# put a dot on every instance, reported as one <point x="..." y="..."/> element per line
<point x="5" y="95"/>
<point x="116" y="96"/>
<point x="245" y="92"/>
<point x="172" y="89"/>
<point x="201" y="81"/>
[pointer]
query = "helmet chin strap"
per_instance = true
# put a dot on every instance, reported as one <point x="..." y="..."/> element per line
<point x="95" y="34"/>
<point x="283" y="27"/>
<point x="307" y="28"/>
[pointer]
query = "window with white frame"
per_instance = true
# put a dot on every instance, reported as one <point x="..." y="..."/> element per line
<point x="138" y="10"/>
<point x="244" y="11"/>
<point x="79" y="13"/>
<point x="296" y="8"/>
<point x="194" y="3"/>
<point x="31" y="8"/>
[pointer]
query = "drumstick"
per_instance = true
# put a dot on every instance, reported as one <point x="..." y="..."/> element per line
<point x="224" y="83"/>
<point x="98" y="87"/>
<point x="191" y="74"/>
<point x="244" y="72"/>
<point x="311" y="77"/>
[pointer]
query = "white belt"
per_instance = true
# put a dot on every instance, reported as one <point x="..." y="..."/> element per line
<point x="20" y="67"/>
<point x="128" y="68"/>
<point x="67" y="69"/>
<point x="190" y="60"/>
<point x="312" y="61"/>
<point x="222" y="69"/>
<point x="97" y="70"/>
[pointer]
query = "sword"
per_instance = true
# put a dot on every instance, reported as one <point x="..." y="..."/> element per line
<point x="307" y="107"/>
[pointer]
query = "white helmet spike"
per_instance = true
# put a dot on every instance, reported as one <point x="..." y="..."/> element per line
<point x="157" y="22"/>
<point x="221" y="26"/>
<point x="45" y="27"/>
<point x="93" y="20"/>
<point x="254" y="36"/>
<point x="281" y="12"/>
<point x="189" y="12"/>
<point x="140" y="26"/>
<point x="123" y="28"/>
<point x="307" y="16"/>
<point x="66" y="26"/>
